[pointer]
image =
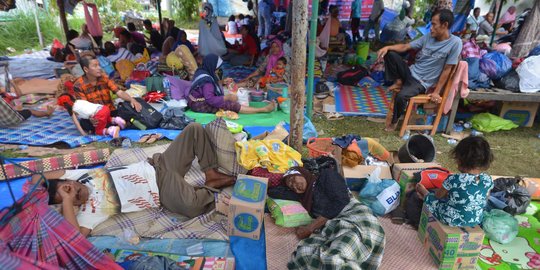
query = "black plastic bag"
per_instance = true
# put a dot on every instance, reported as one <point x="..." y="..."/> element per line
<point x="509" y="195"/>
<point x="174" y="118"/>
<point x="509" y="81"/>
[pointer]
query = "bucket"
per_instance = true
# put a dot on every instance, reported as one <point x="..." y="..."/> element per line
<point x="362" y="51"/>
<point x="419" y="148"/>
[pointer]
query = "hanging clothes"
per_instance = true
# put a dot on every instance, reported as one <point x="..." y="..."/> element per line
<point x="40" y="236"/>
<point x="529" y="36"/>
<point x="92" y="20"/>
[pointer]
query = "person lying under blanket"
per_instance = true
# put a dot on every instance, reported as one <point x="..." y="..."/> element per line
<point x="344" y="233"/>
<point x="103" y="192"/>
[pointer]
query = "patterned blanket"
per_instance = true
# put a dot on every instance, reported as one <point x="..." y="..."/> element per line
<point x="357" y="242"/>
<point x="46" y="131"/>
<point x="160" y="223"/>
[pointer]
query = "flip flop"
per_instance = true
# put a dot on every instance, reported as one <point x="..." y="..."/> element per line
<point x="332" y="116"/>
<point x="144" y="138"/>
<point x="154" y="137"/>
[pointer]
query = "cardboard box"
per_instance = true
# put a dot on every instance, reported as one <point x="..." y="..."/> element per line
<point x="246" y="207"/>
<point x="404" y="174"/>
<point x="356" y="176"/>
<point x="521" y="113"/>
<point x="412" y="167"/>
<point x="450" y="247"/>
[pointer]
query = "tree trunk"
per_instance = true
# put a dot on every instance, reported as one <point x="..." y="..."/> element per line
<point x="410" y="11"/>
<point x="63" y="19"/>
<point x="529" y="36"/>
<point x="298" y="71"/>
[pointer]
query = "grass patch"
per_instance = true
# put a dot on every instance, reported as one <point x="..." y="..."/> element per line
<point x="517" y="152"/>
<point x="19" y="31"/>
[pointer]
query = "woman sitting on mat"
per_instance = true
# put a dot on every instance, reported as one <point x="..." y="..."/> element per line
<point x="270" y="61"/>
<point x="343" y="230"/>
<point x="206" y="94"/>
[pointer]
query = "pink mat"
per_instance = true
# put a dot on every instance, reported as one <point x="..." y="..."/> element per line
<point x="403" y="249"/>
<point x="280" y="244"/>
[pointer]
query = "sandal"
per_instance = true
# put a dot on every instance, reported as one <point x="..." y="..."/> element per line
<point x="332" y="116"/>
<point x="154" y="137"/>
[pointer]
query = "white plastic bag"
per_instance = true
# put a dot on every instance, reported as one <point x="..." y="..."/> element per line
<point x="529" y="75"/>
<point x="382" y="196"/>
<point x="243" y="96"/>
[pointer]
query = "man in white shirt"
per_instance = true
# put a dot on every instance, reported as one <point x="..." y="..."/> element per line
<point x="104" y="192"/>
<point x="473" y="21"/>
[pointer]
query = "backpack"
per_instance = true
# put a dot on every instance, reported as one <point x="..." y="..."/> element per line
<point x="148" y="116"/>
<point x="352" y="76"/>
<point x="106" y="65"/>
<point x="432" y="177"/>
<point x="174" y="118"/>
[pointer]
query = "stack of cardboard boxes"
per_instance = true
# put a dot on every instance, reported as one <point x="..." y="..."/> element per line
<point x="450" y="247"/>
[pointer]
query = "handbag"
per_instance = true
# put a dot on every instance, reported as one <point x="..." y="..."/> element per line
<point x="140" y="73"/>
<point x="174" y="118"/>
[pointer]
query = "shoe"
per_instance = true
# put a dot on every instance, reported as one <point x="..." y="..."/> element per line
<point x="119" y="122"/>
<point x="113" y="131"/>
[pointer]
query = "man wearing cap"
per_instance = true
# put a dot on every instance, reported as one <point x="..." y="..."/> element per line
<point x="471" y="48"/>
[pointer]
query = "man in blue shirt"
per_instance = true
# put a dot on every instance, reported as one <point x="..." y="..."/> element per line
<point x="439" y="52"/>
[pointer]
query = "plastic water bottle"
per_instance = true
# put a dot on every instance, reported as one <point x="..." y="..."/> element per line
<point x="138" y="124"/>
<point x="407" y="135"/>
<point x="452" y="141"/>
<point x="126" y="143"/>
<point x="467" y="125"/>
<point x="167" y="88"/>
<point x="475" y="132"/>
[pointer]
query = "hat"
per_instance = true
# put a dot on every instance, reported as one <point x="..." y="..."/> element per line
<point x="482" y="38"/>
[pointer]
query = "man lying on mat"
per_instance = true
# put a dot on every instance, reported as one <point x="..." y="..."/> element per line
<point x="438" y="53"/>
<point x="96" y="87"/>
<point x="103" y="192"/>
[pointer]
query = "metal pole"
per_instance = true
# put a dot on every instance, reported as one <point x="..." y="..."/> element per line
<point x="298" y="72"/>
<point x="311" y="56"/>
<point x="495" y="25"/>
<point x="158" y="4"/>
<point x="37" y="24"/>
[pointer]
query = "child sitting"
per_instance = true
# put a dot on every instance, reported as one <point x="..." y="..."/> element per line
<point x="462" y="198"/>
<point x="276" y="75"/>
<point x="87" y="110"/>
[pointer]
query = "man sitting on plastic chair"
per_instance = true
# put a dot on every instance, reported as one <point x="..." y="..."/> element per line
<point x="438" y="53"/>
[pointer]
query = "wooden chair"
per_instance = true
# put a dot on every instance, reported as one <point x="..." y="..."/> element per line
<point x="425" y="99"/>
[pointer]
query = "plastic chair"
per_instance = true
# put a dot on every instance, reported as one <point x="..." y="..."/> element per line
<point x="425" y="99"/>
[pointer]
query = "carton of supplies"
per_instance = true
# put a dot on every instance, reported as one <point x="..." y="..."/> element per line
<point x="450" y="247"/>
<point x="404" y="174"/>
<point x="246" y="207"/>
<point x="521" y="113"/>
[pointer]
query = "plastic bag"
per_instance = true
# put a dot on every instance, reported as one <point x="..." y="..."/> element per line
<point x="502" y="62"/>
<point x="488" y="67"/>
<point x="174" y="118"/>
<point x="243" y="96"/>
<point x="535" y="51"/>
<point x="382" y="196"/>
<point x="288" y="213"/>
<point x="509" y="195"/>
<point x="529" y="75"/>
<point x="500" y="226"/>
<point x="510" y="82"/>
<point x="488" y="122"/>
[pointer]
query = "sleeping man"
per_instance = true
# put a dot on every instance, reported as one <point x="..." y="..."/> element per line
<point x="103" y="192"/>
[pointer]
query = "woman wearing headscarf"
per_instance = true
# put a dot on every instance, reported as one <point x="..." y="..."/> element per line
<point x="206" y="94"/>
<point x="275" y="52"/>
<point x="508" y="19"/>
<point x="343" y="232"/>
